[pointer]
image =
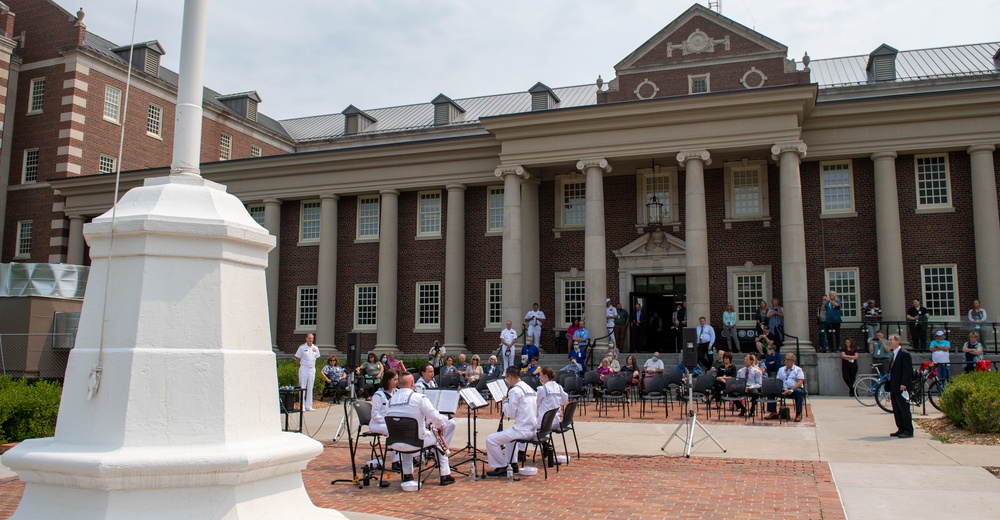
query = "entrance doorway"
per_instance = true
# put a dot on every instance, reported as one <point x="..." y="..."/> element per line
<point x="658" y="296"/>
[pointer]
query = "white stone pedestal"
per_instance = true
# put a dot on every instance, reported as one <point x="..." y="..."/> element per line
<point x="185" y="421"/>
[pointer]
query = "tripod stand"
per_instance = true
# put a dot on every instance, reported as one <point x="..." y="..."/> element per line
<point x="345" y="425"/>
<point x="691" y="421"/>
<point x="345" y="422"/>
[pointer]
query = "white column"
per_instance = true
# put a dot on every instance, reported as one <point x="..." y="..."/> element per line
<point x="696" y="232"/>
<point x="892" y="293"/>
<point x="388" y="272"/>
<point x="272" y="223"/>
<point x="511" y="274"/>
<point x="595" y="245"/>
<point x="794" y="289"/>
<point x="987" y="228"/>
<point x="454" y="269"/>
<point x="326" y="276"/>
<point x="530" y="291"/>
<point x="74" y="249"/>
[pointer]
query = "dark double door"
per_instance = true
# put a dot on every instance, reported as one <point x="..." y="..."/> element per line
<point x="658" y="296"/>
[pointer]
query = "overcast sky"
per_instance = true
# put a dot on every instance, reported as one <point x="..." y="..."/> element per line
<point x="310" y="57"/>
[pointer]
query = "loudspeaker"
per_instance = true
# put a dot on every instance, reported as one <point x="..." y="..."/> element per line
<point x="689" y="348"/>
<point x="353" y="349"/>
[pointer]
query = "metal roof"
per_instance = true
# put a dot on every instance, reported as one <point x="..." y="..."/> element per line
<point x="420" y="116"/>
<point x="941" y="62"/>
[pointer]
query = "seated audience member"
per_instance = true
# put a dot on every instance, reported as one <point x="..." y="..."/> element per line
<point x="613" y="351"/>
<point x="579" y="355"/>
<point x="529" y="350"/>
<point x="372" y="372"/>
<point x="463" y="369"/>
<point x="722" y="374"/>
<point x="605" y="369"/>
<point x="613" y="360"/>
<point x="631" y="369"/>
<point x="533" y="369"/>
<point x="523" y="364"/>
<point x="792" y="381"/>
<point x="395" y="364"/>
<point x="572" y="366"/>
<point x="754" y="378"/>
<point x="474" y="373"/>
<point x="333" y="376"/>
<point x="773" y="361"/>
<point x="765" y="340"/>
<point x="492" y="369"/>
<point x="653" y="365"/>
<point x="449" y="367"/>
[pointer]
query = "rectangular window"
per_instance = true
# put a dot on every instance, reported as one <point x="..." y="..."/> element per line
<point x="698" y="84"/>
<point x="428" y="305"/>
<point x="494" y="303"/>
<point x="933" y="187"/>
<point x="154" y="121"/>
<point x="106" y="164"/>
<point x="29" y="172"/>
<point x="305" y="309"/>
<point x="494" y="215"/>
<point x="36" y="96"/>
<point x="746" y="190"/>
<point x="309" y="222"/>
<point x="749" y="292"/>
<point x="23" y="239"/>
<point x="365" y="303"/>
<point x="429" y="213"/>
<point x="256" y="212"/>
<point x="368" y="212"/>
<point x="573" y="304"/>
<point x="574" y="203"/>
<point x="112" y="104"/>
<point x="225" y="147"/>
<point x="837" y="187"/>
<point x="940" y="290"/>
<point x="845" y="282"/>
<point x="255" y="151"/>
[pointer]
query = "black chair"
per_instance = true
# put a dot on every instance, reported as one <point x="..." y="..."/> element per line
<point x="576" y="392"/>
<point x="363" y="409"/>
<point x="563" y="375"/>
<point x="702" y="390"/>
<point x="543" y="439"/>
<point x="771" y="393"/>
<point x="481" y="388"/>
<point x="736" y="390"/>
<point x="591" y="382"/>
<point x="615" y="390"/>
<point x="675" y="382"/>
<point x="531" y="380"/>
<point x="566" y="425"/>
<point x="404" y="438"/>
<point x="654" y="391"/>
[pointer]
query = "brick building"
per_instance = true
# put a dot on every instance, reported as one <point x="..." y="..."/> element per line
<point x="874" y="176"/>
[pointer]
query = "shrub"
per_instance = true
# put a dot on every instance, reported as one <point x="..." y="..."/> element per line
<point x="972" y="401"/>
<point x="28" y="409"/>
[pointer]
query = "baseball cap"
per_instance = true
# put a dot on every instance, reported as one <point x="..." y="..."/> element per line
<point x="939" y="333"/>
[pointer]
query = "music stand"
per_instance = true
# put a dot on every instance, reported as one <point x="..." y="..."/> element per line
<point x="474" y="401"/>
<point x="690" y="360"/>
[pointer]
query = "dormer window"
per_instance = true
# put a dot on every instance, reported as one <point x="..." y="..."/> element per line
<point x="882" y="64"/>
<point x="145" y="56"/>
<point x="244" y="103"/>
<point x="445" y="110"/>
<point x="356" y="121"/>
<point x="542" y="97"/>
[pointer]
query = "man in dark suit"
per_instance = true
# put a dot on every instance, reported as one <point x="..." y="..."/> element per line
<point x="900" y="380"/>
<point x="639" y="323"/>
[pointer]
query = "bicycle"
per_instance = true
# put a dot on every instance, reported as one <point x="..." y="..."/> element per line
<point x="926" y="386"/>
<point x="867" y="388"/>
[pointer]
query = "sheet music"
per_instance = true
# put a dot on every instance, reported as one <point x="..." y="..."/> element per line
<point x="472" y="398"/>
<point x="498" y="389"/>
<point x="444" y="400"/>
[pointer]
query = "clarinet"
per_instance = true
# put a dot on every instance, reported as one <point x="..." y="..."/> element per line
<point x="500" y="426"/>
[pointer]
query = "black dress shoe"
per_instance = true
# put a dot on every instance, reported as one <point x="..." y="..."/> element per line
<point x="408" y="477"/>
<point x="396" y="466"/>
<point x="447" y="480"/>
<point x="905" y="435"/>
<point x="895" y="433"/>
<point x="499" y="472"/>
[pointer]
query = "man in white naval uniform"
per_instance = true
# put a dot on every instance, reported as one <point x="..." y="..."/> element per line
<point x="508" y="336"/>
<point x="426" y="378"/>
<point x="520" y="405"/>
<point x="611" y="314"/>
<point x="306" y="357"/>
<point x="535" y="319"/>
<point x="407" y="403"/>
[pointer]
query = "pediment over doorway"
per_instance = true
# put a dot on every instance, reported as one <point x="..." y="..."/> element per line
<point x="653" y="244"/>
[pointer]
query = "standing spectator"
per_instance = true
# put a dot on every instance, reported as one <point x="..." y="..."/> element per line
<point x="849" y="364"/>
<point x="508" y="336"/>
<point x="534" y="320"/>
<point x="582" y="336"/>
<point x="761" y="316"/>
<point x="610" y="314"/>
<point x="654" y="334"/>
<point x="821" y="322"/>
<point x="917" y="317"/>
<point x="940" y="355"/>
<point x="977" y="316"/>
<point x="639" y="323"/>
<point x="880" y="351"/>
<point x="776" y="320"/>
<point x="706" y="342"/>
<point x="729" y="328"/>
<point x="306" y="357"/>
<point x="973" y="351"/>
<point x="675" y="330"/>
<point x="900" y="381"/>
<point x="621" y="322"/>
<point x="833" y="320"/>
<point x="436" y="356"/>
<point x="872" y="319"/>
<point x="682" y="322"/>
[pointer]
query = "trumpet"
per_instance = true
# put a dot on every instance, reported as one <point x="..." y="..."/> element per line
<point x="442" y="446"/>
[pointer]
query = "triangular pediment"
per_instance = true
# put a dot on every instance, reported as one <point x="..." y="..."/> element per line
<point x="655" y="243"/>
<point x="700" y="35"/>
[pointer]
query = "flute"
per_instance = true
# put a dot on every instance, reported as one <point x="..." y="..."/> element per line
<point x="500" y="426"/>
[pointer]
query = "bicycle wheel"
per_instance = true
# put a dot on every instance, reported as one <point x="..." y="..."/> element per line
<point x="864" y="390"/>
<point x="934" y="391"/>
<point x="882" y="398"/>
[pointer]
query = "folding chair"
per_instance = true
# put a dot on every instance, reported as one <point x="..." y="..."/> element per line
<point x="654" y="391"/>
<point x="702" y="390"/>
<point x="404" y="439"/>
<point x="770" y="393"/>
<point x="566" y="425"/>
<point x="736" y="390"/>
<point x="363" y="409"/>
<point x="576" y="392"/>
<point x="542" y="438"/>
<point x="615" y="390"/>
<point x="675" y="382"/>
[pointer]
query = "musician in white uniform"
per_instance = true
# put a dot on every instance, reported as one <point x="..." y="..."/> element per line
<point x="535" y="319"/>
<point x="380" y="405"/>
<point x="550" y="396"/>
<point x="407" y="403"/>
<point x="306" y="357"/>
<point x="426" y="378"/>
<point x="520" y="405"/>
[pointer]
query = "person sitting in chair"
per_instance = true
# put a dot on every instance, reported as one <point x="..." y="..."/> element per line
<point x="407" y="403"/>
<point x="492" y="369"/>
<point x="792" y="383"/>
<point x="754" y="378"/>
<point x="521" y="405"/>
<point x="333" y="375"/>
<point x="550" y="396"/>
<point x="722" y="375"/>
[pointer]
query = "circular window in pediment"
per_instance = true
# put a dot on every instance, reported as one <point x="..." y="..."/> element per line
<point x="646" y="90"/>
<point x="753" y="78"/>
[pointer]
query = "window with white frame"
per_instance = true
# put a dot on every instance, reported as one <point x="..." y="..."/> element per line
<point x="255" y="151"/>
<point x="29" y="172"/>
<point x="225" y="147"/>
<point x="112" y="104"/>
<point x="365" y="303"/>
<point x="661" y="183"/>
<point x="36" y="96"/>
<point x="154" y="121"/>
<point x="750" y="290"/>
<point x="494" y="303"/>
<point x="368" y="217"/>
<point x="23" y="243"/>
<point x="106" y="164"/>
<point x="940" y="290"/>
<point x="572" y="201"/>
<point x="698" y="84"/>
<point x="746" y="190"/>
<point x="256" y="212"/>
<point x="429" y="213"/>
<point x="844" y="281"/>
<point x="494" y="213"/>
<point x="305" y="309"/>
<point x="838" y="187"/>
<point x="309" y="221"/>
<point x="572" y="300"/>
<point x="428" y="305"/>
<point x="933" y="186"/>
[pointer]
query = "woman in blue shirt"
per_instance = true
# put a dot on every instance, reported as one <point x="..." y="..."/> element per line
<point x="729" y="328"/>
